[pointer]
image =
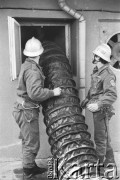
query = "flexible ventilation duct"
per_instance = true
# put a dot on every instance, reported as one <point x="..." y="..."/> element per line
<point x="70" y="142"/>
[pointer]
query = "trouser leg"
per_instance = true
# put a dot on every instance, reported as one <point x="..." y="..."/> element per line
<point x="27" y="120"/>
<point x="100" y="136"/>
<point x="30" y="141"/>
<point x="102" y="140"/>
<point x="109" y="150"/>
<point x="109" y="157"/>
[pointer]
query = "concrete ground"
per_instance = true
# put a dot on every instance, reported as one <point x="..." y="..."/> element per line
<point x="12" y="170"/>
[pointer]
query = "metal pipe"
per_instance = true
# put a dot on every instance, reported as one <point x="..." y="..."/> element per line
<point x="62" y="4"/>
<point x="81" y="44"/>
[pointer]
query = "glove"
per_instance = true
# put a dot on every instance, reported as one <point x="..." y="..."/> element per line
<point x="83" y="103"/>
<point x="57" y="91"/>
<point x="93" y="107"/>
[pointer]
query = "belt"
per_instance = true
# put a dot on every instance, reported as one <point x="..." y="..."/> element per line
<point x="27" y="104"/>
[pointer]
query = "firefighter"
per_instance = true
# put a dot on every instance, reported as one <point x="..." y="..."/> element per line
<point x="30" y="94"/>
<point x="101" y="95"/>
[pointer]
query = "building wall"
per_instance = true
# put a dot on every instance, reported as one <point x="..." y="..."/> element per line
<point x="52" y="4"/>
<point x="9" y="131"/>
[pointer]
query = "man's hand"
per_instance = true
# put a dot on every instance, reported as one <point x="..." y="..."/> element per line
<point x="93" y="107"/>
<point x="57" y="91"/>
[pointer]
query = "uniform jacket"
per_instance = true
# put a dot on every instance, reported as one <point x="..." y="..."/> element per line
<point x="103" y="87"/>
<point x="31" y="83"/>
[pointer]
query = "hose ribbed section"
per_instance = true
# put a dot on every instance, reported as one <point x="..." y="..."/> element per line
<point x="65" y="125"/>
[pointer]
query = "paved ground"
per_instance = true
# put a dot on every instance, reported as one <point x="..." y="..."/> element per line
<point x="12" y="170"/>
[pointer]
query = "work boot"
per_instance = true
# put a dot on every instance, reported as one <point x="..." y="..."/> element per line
<point x="38" y="170"/>
<point x="109" y="158"/>
<point x="28" y="174"/>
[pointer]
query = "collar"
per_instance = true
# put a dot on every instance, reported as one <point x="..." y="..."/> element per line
<point x="33" y="62"/>
<point x="103" y="68"/>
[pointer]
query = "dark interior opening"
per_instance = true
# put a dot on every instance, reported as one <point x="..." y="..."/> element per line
<point x="43" y="33"/>
<point x="51" y="30"/>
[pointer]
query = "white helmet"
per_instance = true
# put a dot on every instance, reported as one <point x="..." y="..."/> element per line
<point x="33" y="47"/>
<point x="103" y="51"/>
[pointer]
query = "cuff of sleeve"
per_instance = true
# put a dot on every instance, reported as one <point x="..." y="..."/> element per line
<point x="99" y="104"/>
<point x="51" y="94"/>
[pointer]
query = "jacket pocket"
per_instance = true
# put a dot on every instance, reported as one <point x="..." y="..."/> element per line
<point x="96" y="81"/>
<point x="22" y="115"/>
<point x="17" y="114"/>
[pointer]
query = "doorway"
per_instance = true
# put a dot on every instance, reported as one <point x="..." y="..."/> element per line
<point x="22" y="29"/>
<point x="69" y="34"/>
<point x="52" y="33"/>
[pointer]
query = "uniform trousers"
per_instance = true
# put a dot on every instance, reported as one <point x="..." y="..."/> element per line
<point x="101" y="134"/>
<point x="27" y="120"/>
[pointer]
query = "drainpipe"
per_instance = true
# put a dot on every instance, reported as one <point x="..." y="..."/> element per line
<point x="72" y="12"/>
<point x="81" y="45"/>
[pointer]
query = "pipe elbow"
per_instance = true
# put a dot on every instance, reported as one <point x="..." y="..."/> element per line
<point x="62" y="4"/>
